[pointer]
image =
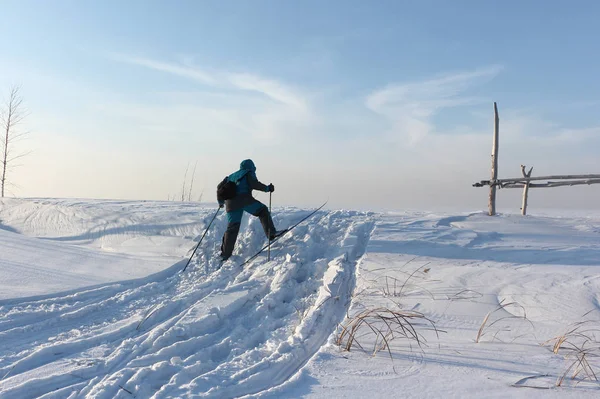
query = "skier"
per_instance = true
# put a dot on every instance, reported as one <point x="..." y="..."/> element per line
<point x="246" y="181"/>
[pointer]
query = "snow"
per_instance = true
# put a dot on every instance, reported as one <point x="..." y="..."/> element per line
<point x="93" y="303"/>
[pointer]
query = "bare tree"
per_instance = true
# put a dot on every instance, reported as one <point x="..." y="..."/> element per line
<point x="189" y="198"/>
<point x="184" y="181"/>
<point x="11" y="116"/>
<point x="186" y="192"/>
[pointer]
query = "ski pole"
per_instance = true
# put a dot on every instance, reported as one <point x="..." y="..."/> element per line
<point x="199" y="242"/>
<point x="269" y="250"/>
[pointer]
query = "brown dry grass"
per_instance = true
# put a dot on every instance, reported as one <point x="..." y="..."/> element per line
<point x="580" y="343"/>
<point x="385" y="326"/>
<point x="396" y="287"/>
<point x="579" y="365"/>
<point x="577" y="336"/>
<point x="485" y="328"/>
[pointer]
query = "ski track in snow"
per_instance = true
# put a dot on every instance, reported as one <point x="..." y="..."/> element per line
<point x="268" y="330"/>
<point x="217" y="333"/>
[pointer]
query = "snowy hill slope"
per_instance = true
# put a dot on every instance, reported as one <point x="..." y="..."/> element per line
<point x="88" y="242"/>
<point x="93" y="304"/>
<point x="172" y="333"/>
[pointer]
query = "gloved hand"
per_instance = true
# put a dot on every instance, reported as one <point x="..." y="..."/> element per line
<point x="271" y="187"/>
<point x="221" y="204"/>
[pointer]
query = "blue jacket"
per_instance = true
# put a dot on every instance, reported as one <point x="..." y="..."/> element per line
<point x="247" y="168"/>
<point x="246" y="181"/>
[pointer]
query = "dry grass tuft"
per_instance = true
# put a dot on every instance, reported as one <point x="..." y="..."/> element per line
<point x="577" y="336"/>
<point x="384" y="325"/>
<point x="396" y="287"/>
<point x="485" y="328"/>
<point x="464" y="295"/>
<point x="581" y="344"/>
<point x="580" y="366"/>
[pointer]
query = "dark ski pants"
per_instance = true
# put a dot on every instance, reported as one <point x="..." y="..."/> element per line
<point x="234" y="219"/>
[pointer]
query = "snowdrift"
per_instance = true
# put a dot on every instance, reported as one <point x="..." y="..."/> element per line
<point x="93" y="304"/>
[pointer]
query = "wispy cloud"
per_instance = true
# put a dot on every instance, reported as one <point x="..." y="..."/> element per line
<point x="270" y="88"/>
<point x="236" y="102"/>
<point x="175" y="69"/>
<point x="410" y="106"/>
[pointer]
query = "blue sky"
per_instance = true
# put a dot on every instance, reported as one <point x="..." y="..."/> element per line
<point x="383" y="104"/>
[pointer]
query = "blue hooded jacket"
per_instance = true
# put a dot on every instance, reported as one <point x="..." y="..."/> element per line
<point x="246" y="181"/>
<point x="247" y="167"/>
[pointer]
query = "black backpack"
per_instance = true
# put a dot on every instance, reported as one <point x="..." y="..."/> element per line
<point x="226" y="190"/>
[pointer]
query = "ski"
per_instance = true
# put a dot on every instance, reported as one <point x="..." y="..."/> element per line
<point x="147" y="315"/>
<point x="278" y="237"/>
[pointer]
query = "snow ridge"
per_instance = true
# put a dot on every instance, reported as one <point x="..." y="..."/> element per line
<point x="207" y="332"/>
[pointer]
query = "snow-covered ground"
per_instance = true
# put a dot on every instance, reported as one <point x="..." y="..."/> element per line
<point x="93" y="304"/>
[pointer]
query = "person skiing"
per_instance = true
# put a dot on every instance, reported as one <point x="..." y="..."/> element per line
<point x="245" y="180"/>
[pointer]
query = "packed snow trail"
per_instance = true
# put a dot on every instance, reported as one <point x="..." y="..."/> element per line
<point x="98" y="324"/>
<point x="207" y="332"/>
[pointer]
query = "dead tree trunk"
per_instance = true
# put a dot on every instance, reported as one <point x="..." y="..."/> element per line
<point x="10" y="117"/>
<point x="5" y="154"/>
<point x="525" y="189"/>
<point x="492" y="199"/>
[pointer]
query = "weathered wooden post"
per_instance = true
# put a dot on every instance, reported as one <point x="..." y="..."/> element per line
<point x="526" y="182"/>
<point x="525" y="189"/>
<point x="492" y="201"/>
